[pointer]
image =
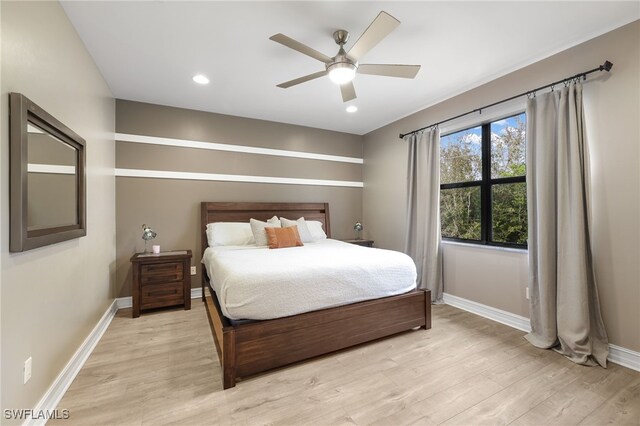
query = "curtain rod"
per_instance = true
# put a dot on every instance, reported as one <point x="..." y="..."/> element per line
<point x="604" y="67"/>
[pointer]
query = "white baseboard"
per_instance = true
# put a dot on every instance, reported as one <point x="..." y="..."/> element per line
<point x="624" y="357"/>
<point x="56" y="391"/>
<point x="617" y="354"/>
<point x="126" y="302"/>
<point x="495" y="314"/>
<point x="196" y="292"/>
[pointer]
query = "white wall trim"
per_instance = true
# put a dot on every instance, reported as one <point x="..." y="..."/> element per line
<point x="196" y="293"/>
<point x="56" y="391"/>
<point x="494" y="314"/>
<point x="162" y="174"/>
<point x="617" y="354"/>
<point x="51" y="168"/>
<point x="185" y="143"/>
<point x="124" y="302"/>
<point x="625" y="357"/>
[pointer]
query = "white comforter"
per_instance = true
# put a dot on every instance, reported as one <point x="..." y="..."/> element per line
<point x="257" y="283"/>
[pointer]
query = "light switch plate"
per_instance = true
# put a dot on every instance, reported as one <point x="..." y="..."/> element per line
<point x="193" y="270"/>
<point x="26" y="371"/>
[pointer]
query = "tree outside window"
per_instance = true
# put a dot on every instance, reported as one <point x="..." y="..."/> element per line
<point x="483" y="187"/>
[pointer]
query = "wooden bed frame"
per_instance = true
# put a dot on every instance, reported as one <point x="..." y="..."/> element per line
<point x="249" y="348"/>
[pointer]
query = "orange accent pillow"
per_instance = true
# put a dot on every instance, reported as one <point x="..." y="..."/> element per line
<point x="283" y="237"/>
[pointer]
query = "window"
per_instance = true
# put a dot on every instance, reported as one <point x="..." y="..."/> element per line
<point x="483" y="194"/>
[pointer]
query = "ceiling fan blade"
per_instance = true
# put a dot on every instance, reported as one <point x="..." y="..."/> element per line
<point x="302" y="48"/>
<point x="299" y="80"/>
<point x="389" y="70"/>
<point x="348" y="91"/>
<point x="377" y="30"/>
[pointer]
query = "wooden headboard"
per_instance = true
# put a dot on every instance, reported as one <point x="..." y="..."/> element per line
<point x="241" y="212"/>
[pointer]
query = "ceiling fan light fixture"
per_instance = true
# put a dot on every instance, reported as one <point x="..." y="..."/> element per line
<point x="342" y="72"/>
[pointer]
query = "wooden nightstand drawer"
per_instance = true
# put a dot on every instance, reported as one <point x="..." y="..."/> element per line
<point x="158" y="295"/>
<point x="161" y="272"/>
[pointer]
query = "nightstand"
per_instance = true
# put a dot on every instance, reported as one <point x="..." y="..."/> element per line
<point x="364" y="243"/>
<point x="161" y="280"/>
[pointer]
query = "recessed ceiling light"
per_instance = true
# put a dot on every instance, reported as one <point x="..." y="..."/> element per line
<point x="352" y="108"/>
<point x="200" y="79"/>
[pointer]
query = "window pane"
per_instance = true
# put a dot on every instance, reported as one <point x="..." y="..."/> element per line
<point x="460" y="213"/>
<point x="508" y="147"/>
<point x="461" y="156"/>
<point x="509" y="213"/>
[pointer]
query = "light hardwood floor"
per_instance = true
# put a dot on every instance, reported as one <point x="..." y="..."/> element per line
<point x="162" y="368"/>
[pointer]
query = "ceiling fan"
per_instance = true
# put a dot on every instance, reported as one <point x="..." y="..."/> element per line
<point x="343" y="67"/>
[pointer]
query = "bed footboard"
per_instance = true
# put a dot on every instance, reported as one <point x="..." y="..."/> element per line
<point x="251" y="348"/>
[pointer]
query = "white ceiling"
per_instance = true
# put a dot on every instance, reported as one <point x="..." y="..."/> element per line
<point x="148" y="51"/>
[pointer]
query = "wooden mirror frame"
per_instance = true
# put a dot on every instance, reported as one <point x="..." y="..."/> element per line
<point x="21" y="111"/>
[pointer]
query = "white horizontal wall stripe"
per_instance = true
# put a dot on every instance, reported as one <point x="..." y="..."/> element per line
<point x="51" y="168"/>
<point x="184" y="143"/>
<point x="162" y="174"/>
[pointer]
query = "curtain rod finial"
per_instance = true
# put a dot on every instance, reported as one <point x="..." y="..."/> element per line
<point x="607" y="66"/>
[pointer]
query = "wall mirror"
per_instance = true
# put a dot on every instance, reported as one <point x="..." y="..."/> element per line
<point x="47" y="173"/>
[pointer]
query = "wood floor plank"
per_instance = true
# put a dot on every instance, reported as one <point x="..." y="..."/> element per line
<point x="512" y="402"/>
<point x="623" y="408"/>
<point x="454" y="400"/>
<point x="571" y="404"/>
<point x="162" y="369"/>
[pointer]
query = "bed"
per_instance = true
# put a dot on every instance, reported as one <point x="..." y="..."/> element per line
<point x="246" y="348"/>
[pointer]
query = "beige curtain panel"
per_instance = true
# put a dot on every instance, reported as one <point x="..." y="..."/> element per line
<point x="565" y="310"/>
<point x="423" y="238"/>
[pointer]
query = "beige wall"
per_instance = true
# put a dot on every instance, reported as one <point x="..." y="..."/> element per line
<point x="498" y="278"/>
<point x="171" y="207"/>
<point x="53" y="296"/>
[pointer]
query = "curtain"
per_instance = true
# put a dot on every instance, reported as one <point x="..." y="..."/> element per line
<point x="423" y="238"/>
<point x="565" y="310"/>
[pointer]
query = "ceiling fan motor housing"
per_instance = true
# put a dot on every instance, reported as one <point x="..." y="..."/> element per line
<point x="341" y="37"/>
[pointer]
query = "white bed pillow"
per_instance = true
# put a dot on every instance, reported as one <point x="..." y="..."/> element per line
<point x="257" y="227"/>
<point x="229" y="234"/>
<point x="303" y="229"/>
<point x="315" y="228"/>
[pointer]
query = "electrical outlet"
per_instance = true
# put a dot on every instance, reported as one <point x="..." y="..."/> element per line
<point x="26" y="371"/>
<point x="193" y="270"/>
<point x="527" y="293"/>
